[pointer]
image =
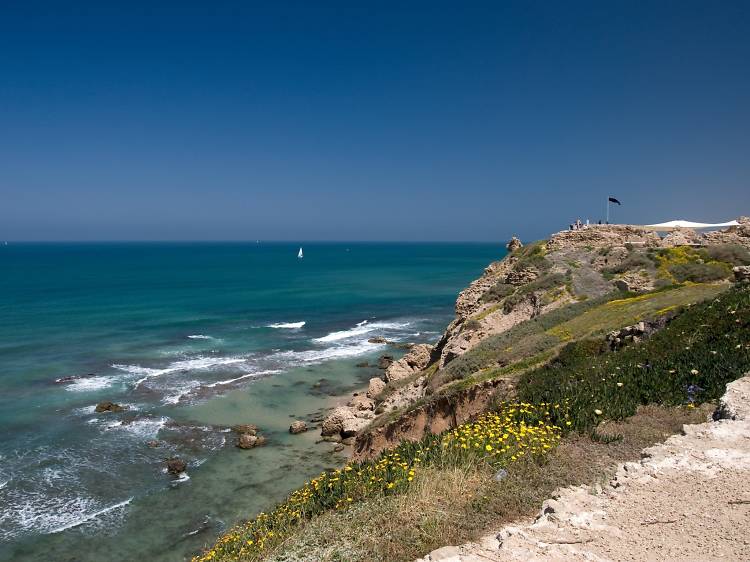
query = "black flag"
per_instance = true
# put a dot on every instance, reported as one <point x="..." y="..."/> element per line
<point x="613" y="200"/>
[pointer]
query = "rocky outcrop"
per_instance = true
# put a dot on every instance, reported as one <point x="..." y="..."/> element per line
<point x="733" y="235"/>
<point x="416" y="359"/>
<point x="681" y="237"/>
<point x="108" y="406"/>
<point x="375" y="387"/>
<point x="298" y="426"/>
<point x="344" y="422"/>
<point x="441" y="414"/>
<point x="513" y="245"/>
<point x="245" y="428"/>
<point x="601" y="236"/>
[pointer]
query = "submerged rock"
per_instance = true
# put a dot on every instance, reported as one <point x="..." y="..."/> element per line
<point x="245" y="429"/>
<point x="298" y="426"/>
<point x="385" y="361"/>
<point x="108" y="406"/>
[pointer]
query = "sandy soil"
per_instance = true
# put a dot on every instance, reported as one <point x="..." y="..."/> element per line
<point x="687" y="499"/>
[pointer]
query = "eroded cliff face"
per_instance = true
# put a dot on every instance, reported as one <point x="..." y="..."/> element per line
<point x="529" y="281"/>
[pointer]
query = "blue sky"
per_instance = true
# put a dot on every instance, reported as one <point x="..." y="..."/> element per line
<point x="368" y="120"/>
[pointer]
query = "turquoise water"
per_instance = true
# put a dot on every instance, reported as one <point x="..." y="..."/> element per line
<point x="191" y="338"/>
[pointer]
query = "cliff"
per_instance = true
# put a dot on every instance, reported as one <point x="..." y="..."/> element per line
<point x="572" y="272"/>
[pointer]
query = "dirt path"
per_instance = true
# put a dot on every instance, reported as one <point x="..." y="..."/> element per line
<point x="688" y="499"/>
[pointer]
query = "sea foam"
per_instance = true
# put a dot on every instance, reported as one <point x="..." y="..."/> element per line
<point x="287" y="325"/>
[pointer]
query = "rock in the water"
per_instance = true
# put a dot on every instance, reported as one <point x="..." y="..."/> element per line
<point x="245" y="428"/>
<point x="153" y="443"/>
<point x="247" y="441"/>
<point x="176" y="465"/>
<point x="385" y="361"/>
<point x="298" y="426"/>
<point x="364" y="364"/>
<point x="514" y="245"/>
<point x="108" y="406"/>
<point x="338" y="448"/>
<point x="377" y="339"/>
<point x="376" y="387"/>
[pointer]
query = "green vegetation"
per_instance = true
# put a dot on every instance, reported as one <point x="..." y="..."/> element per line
<point x="689" y="361"/>
<point x="495" y="439"/>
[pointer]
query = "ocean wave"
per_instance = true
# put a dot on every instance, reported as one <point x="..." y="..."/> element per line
<point x="200" y="337"/>
<point x="89" y="517"/>
<point x="320" y="355"/>
<point x="288" y="325"/>
<point x="89" y="384"/>
<point x="245" y="376"/>
<point x="142" y="428"/>
<point x="194" y="364"/>
<point x="361" y="329"/>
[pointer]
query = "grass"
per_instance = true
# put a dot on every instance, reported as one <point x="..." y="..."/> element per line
<point x="458" y="504"/>
<point x="514" y="432"/>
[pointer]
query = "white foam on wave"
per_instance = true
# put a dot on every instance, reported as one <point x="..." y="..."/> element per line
<point x="287" y="325"/>
<point x="89" y="517"/>
<point x="320" y="355"/>
<point x="200" y="337"/>
<point x="361" y="329"/>
<point x="89" y="384"/>
<point x="245" y="376"/>
<point x="196" y="363"/>
<point x="147" y="428"/>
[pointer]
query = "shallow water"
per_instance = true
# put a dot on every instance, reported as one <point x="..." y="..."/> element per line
<point x="192" y="338"/>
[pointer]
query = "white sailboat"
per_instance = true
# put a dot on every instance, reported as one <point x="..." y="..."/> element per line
<point x="299" y="254"/>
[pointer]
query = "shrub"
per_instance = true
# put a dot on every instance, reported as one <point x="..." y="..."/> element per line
<point x="472" y="325"/>
<point x="728" y="253"/>
<point x="498" y="291"/>
<point x="633" y="262"/>
<point x="699" y="272"/>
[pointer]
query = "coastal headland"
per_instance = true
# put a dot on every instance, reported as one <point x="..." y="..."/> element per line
<point x="565" y="358"/>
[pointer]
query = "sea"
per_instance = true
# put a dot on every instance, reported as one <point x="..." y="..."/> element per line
<point x="190" y="338"/>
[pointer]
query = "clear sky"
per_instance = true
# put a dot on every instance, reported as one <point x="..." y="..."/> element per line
<point x="365" y="120"/>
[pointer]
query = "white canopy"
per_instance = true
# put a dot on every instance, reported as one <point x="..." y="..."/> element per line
<point x="672" y="225"/>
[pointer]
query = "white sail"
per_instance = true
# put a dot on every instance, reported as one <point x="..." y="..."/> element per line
<point x="299" y="254"/>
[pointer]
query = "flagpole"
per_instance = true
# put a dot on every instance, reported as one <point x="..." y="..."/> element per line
<point x="607" y="210"/>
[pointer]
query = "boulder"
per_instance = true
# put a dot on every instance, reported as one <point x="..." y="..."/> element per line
<point x="176" y="465"/>
<point x="247" y="441"/>
<point x="513" y="245"/>
<point x="298" y="426"/>
<point x="416" y="360"/>
<point x="245" y="429"/>
<point x="153" y="443"/>
<point x="376" y="386"/>
<point x="108" y="406"/>
<point x="385" y="361"/>
<point x="334" y="422"/>
<point x="361" y="403"/>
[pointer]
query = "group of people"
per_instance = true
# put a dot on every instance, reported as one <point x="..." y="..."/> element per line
<point x="578" y="225"/>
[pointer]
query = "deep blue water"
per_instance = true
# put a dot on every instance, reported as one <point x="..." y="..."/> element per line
<point x="191" y="337"/>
